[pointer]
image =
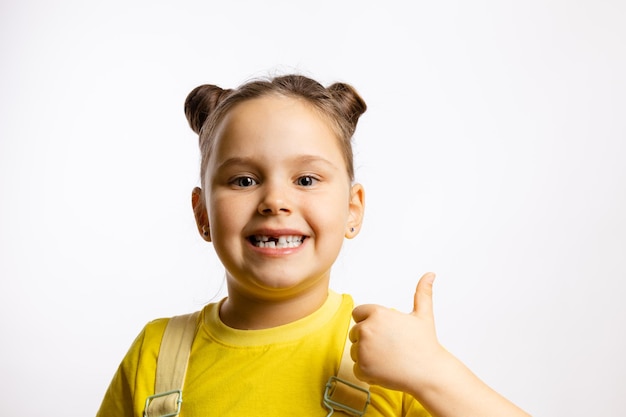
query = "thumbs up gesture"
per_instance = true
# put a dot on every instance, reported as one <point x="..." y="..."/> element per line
<point x="393" y="349"/>
<point x="401" y="352"/>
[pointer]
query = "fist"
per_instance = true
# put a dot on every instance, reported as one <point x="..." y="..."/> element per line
<point x="394" y="349"/>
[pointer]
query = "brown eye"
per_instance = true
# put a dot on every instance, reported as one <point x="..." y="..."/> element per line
<point x="306" y="181"/>
<point x="244" y="182"/>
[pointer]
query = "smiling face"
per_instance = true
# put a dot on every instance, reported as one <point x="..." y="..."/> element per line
<point x="278" y="198"/>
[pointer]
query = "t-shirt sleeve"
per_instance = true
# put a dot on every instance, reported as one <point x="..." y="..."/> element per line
<point x="385" y="402"/>
<point x="133" y="381"/>
<point x="412" y="408"/>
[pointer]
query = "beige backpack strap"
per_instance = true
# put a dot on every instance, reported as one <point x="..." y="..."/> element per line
<point x="345" y="392"/>
<point x="172" y="366"/>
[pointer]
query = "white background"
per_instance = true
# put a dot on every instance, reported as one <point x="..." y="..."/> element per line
<point x="493" y="152"/>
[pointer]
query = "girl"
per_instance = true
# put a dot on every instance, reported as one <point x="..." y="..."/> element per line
<point x="277" y="199"/>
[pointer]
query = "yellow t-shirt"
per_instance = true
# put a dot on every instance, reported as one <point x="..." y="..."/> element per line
<point x="274" y="372"/>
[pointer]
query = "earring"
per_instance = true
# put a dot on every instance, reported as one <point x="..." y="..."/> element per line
<point x="352" y="229"/>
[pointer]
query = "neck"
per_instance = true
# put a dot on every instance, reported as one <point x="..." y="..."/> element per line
<point x="240" y="311"/>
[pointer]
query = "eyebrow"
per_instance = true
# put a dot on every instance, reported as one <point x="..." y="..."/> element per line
<point x="301" y="159"/>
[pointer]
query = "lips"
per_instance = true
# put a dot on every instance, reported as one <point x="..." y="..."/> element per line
<point x="278" y="242"/>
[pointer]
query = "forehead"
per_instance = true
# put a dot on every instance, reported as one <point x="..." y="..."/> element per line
<point x="278" y="109"/>
<point x="276" y="119"/>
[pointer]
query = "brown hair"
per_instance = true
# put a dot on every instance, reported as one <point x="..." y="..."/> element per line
<point x="207" y="105"/>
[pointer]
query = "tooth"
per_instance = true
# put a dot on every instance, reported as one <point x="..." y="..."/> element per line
<point x="286" y="241"/>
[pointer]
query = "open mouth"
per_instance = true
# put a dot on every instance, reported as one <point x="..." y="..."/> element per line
<point x="261" y="241"/>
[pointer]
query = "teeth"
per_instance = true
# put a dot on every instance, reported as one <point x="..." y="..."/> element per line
<point x="280" y="242"/>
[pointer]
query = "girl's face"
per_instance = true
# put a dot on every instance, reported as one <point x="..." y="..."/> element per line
<point x="278" y="198"/>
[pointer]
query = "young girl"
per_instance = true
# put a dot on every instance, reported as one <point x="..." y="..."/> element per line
<point x="277" y="200"/>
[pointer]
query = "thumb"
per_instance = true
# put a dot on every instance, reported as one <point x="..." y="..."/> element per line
<point x="423" y="299"/>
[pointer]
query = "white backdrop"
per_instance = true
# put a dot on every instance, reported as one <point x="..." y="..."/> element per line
<point x="493" y="153"/>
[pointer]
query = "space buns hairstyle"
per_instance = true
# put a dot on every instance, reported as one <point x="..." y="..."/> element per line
<point x="340" y="104"/>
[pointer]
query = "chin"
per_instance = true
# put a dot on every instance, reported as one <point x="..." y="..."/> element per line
<point x="282" y="285"/>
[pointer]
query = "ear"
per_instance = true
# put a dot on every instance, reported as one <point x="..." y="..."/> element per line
<point x="201" y="214"/>
<point x="356" y="208"/>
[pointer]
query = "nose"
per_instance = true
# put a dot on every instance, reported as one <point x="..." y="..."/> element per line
<point x="275" y="200"/>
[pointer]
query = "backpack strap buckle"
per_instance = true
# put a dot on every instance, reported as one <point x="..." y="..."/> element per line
<point x="342" y="395"/>
<point x="164" y="404"/>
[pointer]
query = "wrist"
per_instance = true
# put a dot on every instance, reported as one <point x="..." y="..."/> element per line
<point x="442" y="370"/>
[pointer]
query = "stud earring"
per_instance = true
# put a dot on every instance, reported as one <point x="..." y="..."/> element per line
<point x="352" y="229"/>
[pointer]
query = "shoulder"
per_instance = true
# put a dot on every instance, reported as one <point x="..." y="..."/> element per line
<point x="139" y="364"/>
<point x="134" y="377"/>
<point x="149" y="339"/>
<point x="155" y="328"/>
<point x="144" y="350"/>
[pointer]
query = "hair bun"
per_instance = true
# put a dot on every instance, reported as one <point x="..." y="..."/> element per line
<point x="201" y="102"/>
<point x="349" y="102"/>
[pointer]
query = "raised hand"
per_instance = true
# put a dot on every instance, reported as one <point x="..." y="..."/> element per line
<point x="394" y="349"/>
<point x="401" y="351"/>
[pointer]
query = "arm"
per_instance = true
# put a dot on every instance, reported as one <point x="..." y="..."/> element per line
<point x="401" y="351"/>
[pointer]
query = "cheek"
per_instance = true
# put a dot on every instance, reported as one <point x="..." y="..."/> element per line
<point x="333" y="211"/>
<point x="221" y="214"/>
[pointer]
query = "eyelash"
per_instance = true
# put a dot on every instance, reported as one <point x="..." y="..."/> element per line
<point x="310" y="178"/>
<point x="238" y="182"/>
